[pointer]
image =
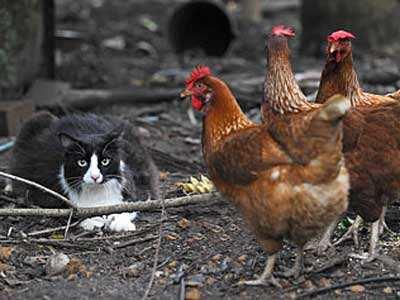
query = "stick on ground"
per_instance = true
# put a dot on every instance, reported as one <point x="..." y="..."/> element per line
<point x="158" y="247"/>
<point x="38" y="186"/>
<point x="150" y="205"/>
<point x="315" y="292"/>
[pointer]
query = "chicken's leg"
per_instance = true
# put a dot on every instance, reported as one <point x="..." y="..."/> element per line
<point x="352" y="232"/>
<point x="266" y="277"/>
<point x="383" y="226"/>
<point x="295" y="271"/>
<point x="321" y="245"/>
<point x="373" y="242"/>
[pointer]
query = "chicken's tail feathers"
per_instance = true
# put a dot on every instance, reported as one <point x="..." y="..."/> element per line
<point x="334" y="108"/>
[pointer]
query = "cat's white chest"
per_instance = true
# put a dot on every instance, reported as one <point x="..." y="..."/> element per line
<point x="92" y="195"/>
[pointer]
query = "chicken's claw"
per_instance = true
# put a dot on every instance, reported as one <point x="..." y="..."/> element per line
<point x="296" y="270"/>
<point x="266" y="277"/>
<point x="270" y="280"/>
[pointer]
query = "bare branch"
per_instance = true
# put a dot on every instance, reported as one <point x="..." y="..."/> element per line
<point x="40" y="187"/>
<point x="150" y="205"/>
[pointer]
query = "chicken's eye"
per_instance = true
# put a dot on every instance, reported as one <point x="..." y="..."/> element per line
<point x="199" y="85"/>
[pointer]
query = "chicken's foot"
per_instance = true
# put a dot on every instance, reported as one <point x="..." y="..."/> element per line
<point x="266" y="277"/>
<point x="321" y="245"/>
<point x="295" y="271"/>
<point x="383" y="226"/>
<point x="352" y="232"/>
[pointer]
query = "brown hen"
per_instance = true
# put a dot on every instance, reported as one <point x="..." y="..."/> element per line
<point x="371" y="142"/>
<point x="281" y="191"/>
<point x="284" y="104"/>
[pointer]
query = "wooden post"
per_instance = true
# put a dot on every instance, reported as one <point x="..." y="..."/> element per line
<point x="376" y="24"/>
<point x="252" y="10"/>
<point x="20" y="45"/>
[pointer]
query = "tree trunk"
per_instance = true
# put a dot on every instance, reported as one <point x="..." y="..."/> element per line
<point x="252" y="10"/>
<point x="20" y="45"/>
<point x="375" y="23"/>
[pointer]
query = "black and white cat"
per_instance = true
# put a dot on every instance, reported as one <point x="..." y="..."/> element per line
<point x="93" y="160"/>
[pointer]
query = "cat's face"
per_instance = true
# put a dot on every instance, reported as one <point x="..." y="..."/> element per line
<point x="91" y="160"/>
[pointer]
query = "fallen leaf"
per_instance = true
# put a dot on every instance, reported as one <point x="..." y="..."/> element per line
<point x="172" y="264"/>
<point x="57" y="236"/>
<point x="172" y="236"/>
<point x="193" y="294"/>
<point x="163" y="175"/>
<point x="76" y="266"/>
<point x="211" y="280"/>
<point x="216" y="257"/>
<point x="204" y="185"/>
<point x="324" y="282"/>
<point x="5" y="252"/>
<point x="183" y="223"/>
<point x="4" y="267"/>
<point x="308" y="284"/>
<point x="242" y="259"/>
<point x="357" y="288"/>
<point x="388" y="290"/>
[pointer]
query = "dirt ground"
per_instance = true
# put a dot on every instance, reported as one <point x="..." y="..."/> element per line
<point x="205" y="250"/>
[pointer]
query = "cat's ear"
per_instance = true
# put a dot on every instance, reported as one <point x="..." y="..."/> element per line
<point x="114" y="134"/>
<point x="66" y="140"/>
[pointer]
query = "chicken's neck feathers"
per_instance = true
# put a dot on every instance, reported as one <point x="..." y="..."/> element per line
<point x="281" y="90"/>
<point x="223" y="117"/>
<point x="344" y="80"/>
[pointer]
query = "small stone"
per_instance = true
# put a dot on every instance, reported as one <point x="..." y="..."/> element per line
<point x="56" y="264"/>
<point x="195" y="280"/>
<point x="134" y="270"/>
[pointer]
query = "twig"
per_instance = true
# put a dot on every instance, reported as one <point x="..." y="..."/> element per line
<point x="157" y="252"/>
<point x="53" y="242"/>
<point x="51" y="230"/>
<point x="135" y="241"/>
<point x="68" y="224"/>
<point x="347" y="284"/>
<point x="150" y="205"/>
<point x="40" y="187"/>
<point x="329" y="265"/>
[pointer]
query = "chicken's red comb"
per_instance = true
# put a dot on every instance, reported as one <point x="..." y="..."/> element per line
<point x="340" y="35"/>
<point x="198" y="73"/>
<point x="282" y="30"/>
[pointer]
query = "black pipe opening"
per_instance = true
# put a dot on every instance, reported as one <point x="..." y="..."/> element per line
<point x="200" y="25"/>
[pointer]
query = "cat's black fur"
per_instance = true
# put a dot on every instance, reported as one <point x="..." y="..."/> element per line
<point x="46" y="142"/>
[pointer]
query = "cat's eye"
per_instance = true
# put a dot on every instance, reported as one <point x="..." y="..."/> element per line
<point x="82" y="163"/>
<point x="105" y="161"/>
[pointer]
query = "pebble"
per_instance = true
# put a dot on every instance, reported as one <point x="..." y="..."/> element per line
<point x="56" y="264"/>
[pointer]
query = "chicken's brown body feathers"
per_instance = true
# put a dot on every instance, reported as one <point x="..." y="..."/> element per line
<point x="281" y="193"/>
<point x="371" y="142"/>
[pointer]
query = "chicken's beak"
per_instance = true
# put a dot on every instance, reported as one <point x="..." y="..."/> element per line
<point x="332" y="48"/>
<point x="185" y="93"/>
